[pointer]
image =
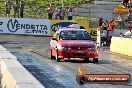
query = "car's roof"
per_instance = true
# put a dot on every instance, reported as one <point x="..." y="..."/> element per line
<point x="71" y="29"/>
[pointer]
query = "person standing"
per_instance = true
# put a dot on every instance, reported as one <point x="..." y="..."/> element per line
<point x="70" y="14"/>
<point x="110" y="29"/>
<point x="100" y="21"/>
<point x="121" y="21"/>
<point x="103" y="39"/>
<point x="8" y="8"/>
<point x="57" y="10"/>
<point x="21" y="9"/>
<point x="50" y="12"/>
<point x="129" y="4"/>
<point x="62" y="13"/>
<point x="105" y="25"/>
<point x="129" y="16"/>
<point x="125" y="2"/>
<point x="16" y="9"/>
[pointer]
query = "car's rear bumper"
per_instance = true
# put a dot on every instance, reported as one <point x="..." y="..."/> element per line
<point x="77" y="54"/>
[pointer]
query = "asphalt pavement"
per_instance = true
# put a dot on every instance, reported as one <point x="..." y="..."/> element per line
<point x="33" y="53"/>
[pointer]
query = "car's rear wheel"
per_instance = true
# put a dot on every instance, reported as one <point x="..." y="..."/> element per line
<point x="95" y="60"/>
<point x="51" y="55"/>
<point x="57" y="59"/>
<point x="86" y="59"/>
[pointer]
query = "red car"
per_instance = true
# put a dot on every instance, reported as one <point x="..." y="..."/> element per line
<point x="73" y="43"/>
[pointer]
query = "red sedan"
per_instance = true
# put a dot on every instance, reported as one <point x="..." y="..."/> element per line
<point x="73" y="43"/>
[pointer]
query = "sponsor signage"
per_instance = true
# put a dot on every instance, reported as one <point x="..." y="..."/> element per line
<point x="25" y="26"/>
<point x="83" y="78"/>
<point x="57" y="24"/>
<point x="104" y="78"/>
<point x="60" y="25"/>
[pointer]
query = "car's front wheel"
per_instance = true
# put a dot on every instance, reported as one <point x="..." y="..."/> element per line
<point x="51" y="55"/>
<point x="95" y="60"/>
<point x="57" y="58"/>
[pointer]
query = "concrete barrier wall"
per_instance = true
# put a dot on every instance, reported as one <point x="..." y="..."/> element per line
<point x="121" y="45"/>
<point x="14" y="75"/>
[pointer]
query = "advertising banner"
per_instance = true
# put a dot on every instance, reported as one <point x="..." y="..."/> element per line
<point x="57" y="24"/>
<point x="25" y="26"/>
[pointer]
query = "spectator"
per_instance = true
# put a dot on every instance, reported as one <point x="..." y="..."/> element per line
<point x="50" y="12"/>
<point x="57" y="10"/>
<point x="103" y="38"/>
<point x="125" y="2"/>
<point x="21" y="9"/>
<point x="16" y="9"/>
<point x="130" y="4"/>
<point x="62" y="13"/>
<point x="129" y="16"/>
<point x="121" y="21"/>
<point x="110" y="29"/>
<point x="113" y="24"/>
<point x="105" y="25"/>
<point x="100" y="21"/>
<point x="8" y="8"/>
<point x="128" y="34"/>
<point x="70" y="14"/>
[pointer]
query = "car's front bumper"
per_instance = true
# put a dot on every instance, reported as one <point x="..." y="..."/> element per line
<point x="77" y="53"/>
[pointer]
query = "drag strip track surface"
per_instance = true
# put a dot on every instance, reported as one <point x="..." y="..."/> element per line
<point x="32" y="52"/>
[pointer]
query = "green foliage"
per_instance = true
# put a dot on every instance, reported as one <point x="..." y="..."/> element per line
<point x="37" y="8"/>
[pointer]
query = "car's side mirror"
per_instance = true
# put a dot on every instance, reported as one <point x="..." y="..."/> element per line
<point x="54" y="39"/>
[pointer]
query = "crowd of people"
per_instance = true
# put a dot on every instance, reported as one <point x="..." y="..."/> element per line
<point x="18" y="8"/>
<point x="108" y="26"/>
<point x="60" y="13"/>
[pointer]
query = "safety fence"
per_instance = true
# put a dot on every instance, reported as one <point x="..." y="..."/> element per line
<point x="46" y="27"/>
<point x="26" y="26"/>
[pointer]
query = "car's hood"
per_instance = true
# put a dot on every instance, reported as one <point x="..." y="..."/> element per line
<point x="77" y="43"/>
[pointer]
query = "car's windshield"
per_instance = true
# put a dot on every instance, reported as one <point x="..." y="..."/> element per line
<point x="75" y="35"/>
